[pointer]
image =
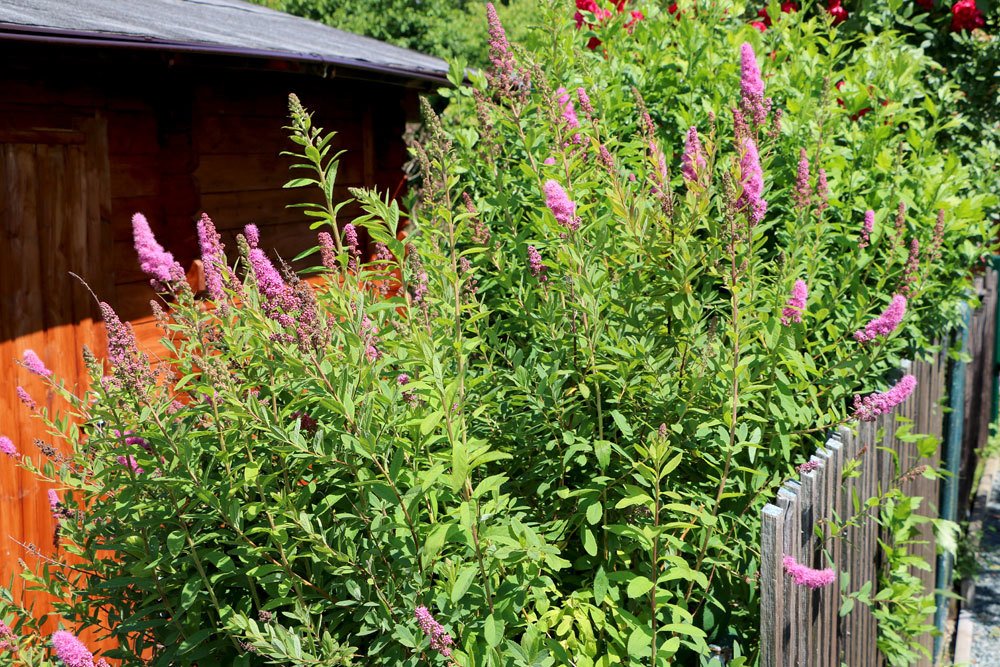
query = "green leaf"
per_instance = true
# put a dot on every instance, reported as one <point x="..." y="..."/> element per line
<point x="600" y="585"/>
<point x="462" y="584"/>
<point x="175" y="543"/>
<point x="639" y="586"/>
<point x="594" y="513"/>
<point x="622" y="424"/>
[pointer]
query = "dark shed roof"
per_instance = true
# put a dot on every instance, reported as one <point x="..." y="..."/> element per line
<point x="209" y="26"/>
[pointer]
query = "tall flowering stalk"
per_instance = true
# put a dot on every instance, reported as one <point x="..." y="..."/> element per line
<point x="34" y="364"/>
<point x="868" y="408"/>
<point x="693" y="160"/>
<point x="154" y="261"/>
<point x="535" y="264"/>
<point x="867" y="227"/>
<point x="327" y="251"/>
<point x="796" y="303"/>
<point x="803" y="191"/>
<point x="131" y="367"/>
<point x="563" y="208"/>
<point x="72" y="652"/>
<point x="276" y="296"/>
<point x="804" y="575"/>
<point x="751" y="199"/>
<point x="752" y="86"/>
<point x="912" y="269"/>
<point x="213" y="258"/>
<point x="884" y="324"/>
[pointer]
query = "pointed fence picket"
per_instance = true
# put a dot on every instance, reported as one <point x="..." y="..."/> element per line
<point x="801" y="627"/>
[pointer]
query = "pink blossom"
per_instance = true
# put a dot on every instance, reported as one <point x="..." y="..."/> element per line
<point x="868" y="408"/>
<point x="912" y="267"/>
<point x="803" y="191"/>
<point x="549" y="161"/>
<point x="804" y="575"/>
<point x="154" y="261"/>
<point x="440" y="640"/>
<point x="588" y="108"/>
<point x="535" y="263"/>
<point x="53" y="499"/>
<point x="884" y="324"/>
<point x="795" y="304"/>
<point x="130" y="463"/>
<point x="752" y="180"/>
<point x="568" y="110"/>
<point x="752" y="85"/>
<point x="327" y="251"/>
<point x="867" y="228"/>
<point x="501" y="73"/>
<point x="277" y="298"/>
<point x="26" y="398"/>
<point x="252" y="235"/>
<point x="7" y="447"/>
<point x="822" y="190"/>
<point x="213" y="257"/>
<point x="71" y="650"/>
<point x="693" y="160"/>
<point x="130" y="365"/>
<point x="562" y="207"/>
<point x="353" y="247"/>
<point x="34" y="364"/>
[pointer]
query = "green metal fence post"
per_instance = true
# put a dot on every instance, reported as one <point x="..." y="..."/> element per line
<point x="952" y="458"/>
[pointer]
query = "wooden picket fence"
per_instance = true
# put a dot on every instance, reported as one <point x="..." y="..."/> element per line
<point x="803" y="627"/>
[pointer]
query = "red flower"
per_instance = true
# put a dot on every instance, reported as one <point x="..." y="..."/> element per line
<point x="787" y="7"/>
<point x="966" y="16"/>
<point x="636" y="17"/>
<point x="926" y="5"/>
<point x="672" y="8"/>
<point x="838" y="13"/>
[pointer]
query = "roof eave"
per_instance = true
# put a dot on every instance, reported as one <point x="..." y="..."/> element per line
<point x="46" y="35"/>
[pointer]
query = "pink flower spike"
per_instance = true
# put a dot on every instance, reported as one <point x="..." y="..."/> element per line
<point x="562" y="207"/>
<point x="71" y="650"/>
<point x="154" y="261"/>
<point x="795" y="304"/>
<point x="53" y="500"/>
<point x="867" y="228"/>
<point x="884" y="324"/>
<point x="7" y="447"/>
<point x="252" y="235"/>
<point x="804" y="575"/>
<point x="693" y="160"/>
<point x="441" y="641"/>
<point x="808" y="466"/>
<point x="213" y="257"/>
<point x="752" y="86"/>
<point x="34" y="364"/>
<point x="568" y="110"/>
<point x="868" y="408"/>
<point x="752" y="181"/>
<point x="803" y="192"/>
<point x="26" y="398"/>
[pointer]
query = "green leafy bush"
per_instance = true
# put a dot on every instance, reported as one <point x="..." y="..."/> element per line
<point x="539" y="430"/>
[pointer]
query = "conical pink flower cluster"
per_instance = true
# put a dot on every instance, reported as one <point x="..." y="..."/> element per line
<point x="867" y="227"/>
<point x="752" y="181"/>
<point x="441" y="641"/>
<point x="804" y="575"/>
<point x="795" y="304"/>
<point x="752" y="86"/>
<point x="33" y="363"/>
<point x="277" y="297"/>
<point x="154" y="261"/>
<point x="131" y="366"/>
<point x="868" y="408"/>
<point x="884" y="324"/>
<point x="562" y="207"/>
<point x="693" y="160"/>
<point x="7" y="447"/>
<point x="213" y="258"/>
<point x="803" y="191"/>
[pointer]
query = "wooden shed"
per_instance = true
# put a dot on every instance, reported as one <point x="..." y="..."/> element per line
<point x="171" y="108"/>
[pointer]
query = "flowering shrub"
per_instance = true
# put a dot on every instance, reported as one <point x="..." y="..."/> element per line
<point x="538" y="430"/>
